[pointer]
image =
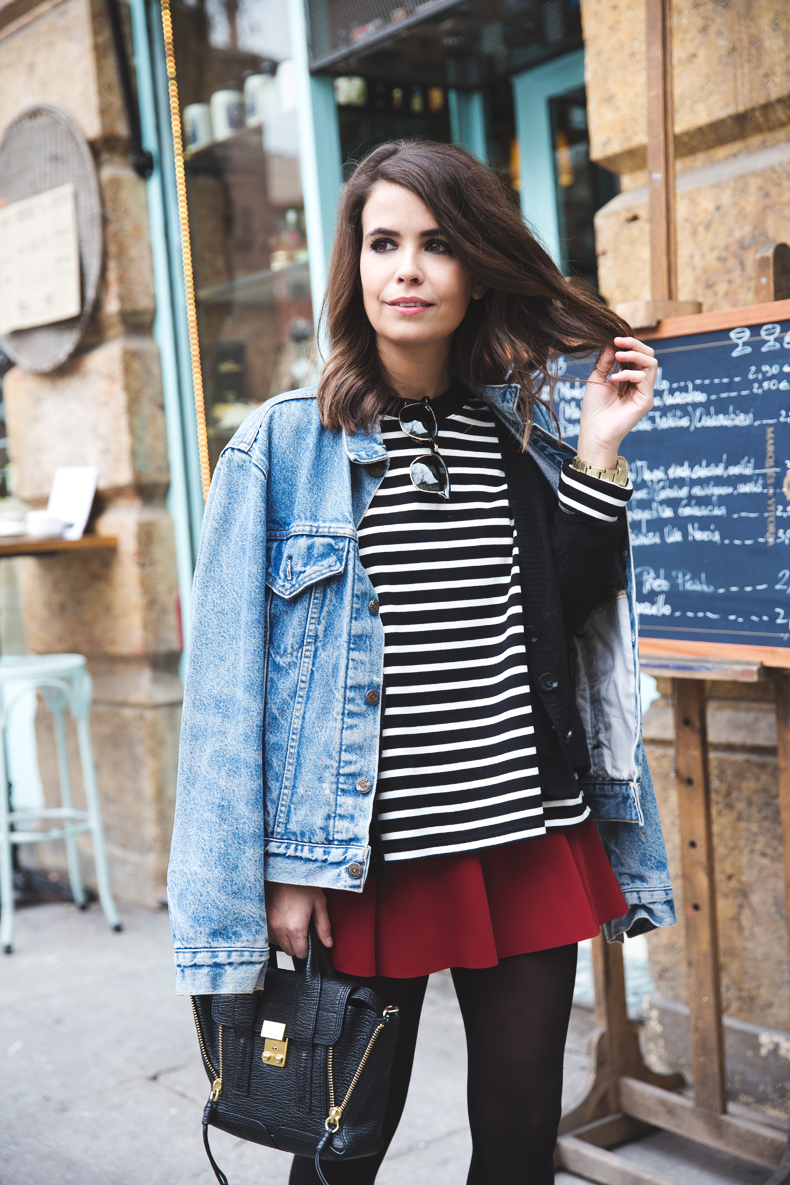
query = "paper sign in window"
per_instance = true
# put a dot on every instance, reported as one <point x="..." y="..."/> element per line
<point x="39" y="260"/>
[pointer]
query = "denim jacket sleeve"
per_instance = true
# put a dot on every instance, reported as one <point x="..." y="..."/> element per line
<point x="219" y="819"/>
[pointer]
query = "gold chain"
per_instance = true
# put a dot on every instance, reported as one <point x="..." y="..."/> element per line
<point x="186" y="248"/>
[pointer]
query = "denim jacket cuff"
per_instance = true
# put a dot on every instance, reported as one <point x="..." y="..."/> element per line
<point x="641" y="919"/>
<point x="195" y="978"/>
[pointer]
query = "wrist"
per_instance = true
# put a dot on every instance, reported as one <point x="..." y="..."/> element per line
<point x="600" y="456"/>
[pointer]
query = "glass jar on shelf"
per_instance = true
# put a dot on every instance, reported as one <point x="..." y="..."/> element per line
<point x="247" y="239"/>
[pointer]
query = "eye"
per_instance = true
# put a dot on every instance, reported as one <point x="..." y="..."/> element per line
<point x="438" y="247"/>
<point x="382" y="245"/>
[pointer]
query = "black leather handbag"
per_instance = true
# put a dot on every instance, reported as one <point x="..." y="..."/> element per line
<point x="302" y="1066"/>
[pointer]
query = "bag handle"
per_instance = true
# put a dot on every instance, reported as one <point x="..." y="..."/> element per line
<point x="315" y="968"/>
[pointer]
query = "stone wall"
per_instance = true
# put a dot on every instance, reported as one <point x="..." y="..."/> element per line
<point x="732" y="125"/>
<point x="732" y="114"/>
<point x="103" y="407"/>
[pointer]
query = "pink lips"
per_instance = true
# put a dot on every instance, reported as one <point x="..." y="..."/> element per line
<point x="409" y="306"/>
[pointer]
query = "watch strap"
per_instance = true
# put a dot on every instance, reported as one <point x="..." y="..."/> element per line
<point x="618" y="475"/>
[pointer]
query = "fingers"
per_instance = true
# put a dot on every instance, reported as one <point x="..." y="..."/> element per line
<point x="627" y="376"/>
<point x="290" y="934"/>
<point x="639" y="356"/>
<point x="289" y="909"/>
<point x="605" y="362"/>
<point x="635" y="356"/>
<point x="633" y="343"/>
<point x="321" y="920"/>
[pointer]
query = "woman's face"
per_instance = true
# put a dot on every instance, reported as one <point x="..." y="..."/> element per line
<point x="415" y="290"/>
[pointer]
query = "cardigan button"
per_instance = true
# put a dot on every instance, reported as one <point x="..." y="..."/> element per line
<point x="530" y="634"/>
<point x="373" y="698"/>
<point x="373" y="606"/>
<point x="364" y="785"/>
<point x="548" y="681"/>
<point x="355" y="871"/>
<point x="376" y="470"/>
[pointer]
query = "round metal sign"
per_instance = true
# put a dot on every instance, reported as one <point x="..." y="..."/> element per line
<point x="41" y="150"/>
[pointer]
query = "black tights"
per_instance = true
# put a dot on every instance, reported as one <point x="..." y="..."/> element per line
<point x="516" y="1020"/>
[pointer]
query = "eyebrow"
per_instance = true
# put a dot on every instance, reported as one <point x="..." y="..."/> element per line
<point x="395" y="234"/>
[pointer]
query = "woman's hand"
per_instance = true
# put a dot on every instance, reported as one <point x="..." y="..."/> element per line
<point x="607" y="415"/>
<point x="289" y="910"/>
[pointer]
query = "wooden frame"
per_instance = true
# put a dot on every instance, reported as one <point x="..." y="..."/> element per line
<point x="770" y="656"/>
<point x="751" y="314"/>
<point x="625" y="1099"/>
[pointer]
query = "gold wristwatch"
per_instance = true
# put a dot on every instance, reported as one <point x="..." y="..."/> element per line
<point x="619" y="475"/>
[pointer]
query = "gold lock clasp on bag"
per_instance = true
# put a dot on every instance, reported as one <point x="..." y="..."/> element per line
<point x="275" y="1044"/>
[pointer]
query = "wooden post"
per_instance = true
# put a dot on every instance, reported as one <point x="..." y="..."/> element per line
<point x="699" y="896"/>
<point x="661" y="151"/>
<point x="646" y="314"/>
<point x="611" y="1014"/>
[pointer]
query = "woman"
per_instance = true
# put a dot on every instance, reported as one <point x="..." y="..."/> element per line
<point x="412" y="527"/>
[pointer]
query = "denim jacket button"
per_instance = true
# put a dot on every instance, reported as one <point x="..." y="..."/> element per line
<point x="548" y="681"/>
<point x="530" y="634"/>
<point x="376" y="470"/>
<point x="355" y="871"/>
<point x="364" y="785"/>
<point x="373" y="698"/>
<point x="373" y="606"/>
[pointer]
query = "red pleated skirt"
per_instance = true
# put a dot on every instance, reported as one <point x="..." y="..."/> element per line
<point x="474" y="909"/>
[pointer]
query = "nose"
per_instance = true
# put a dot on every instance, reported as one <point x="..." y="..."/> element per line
<point x="409" y="271"/>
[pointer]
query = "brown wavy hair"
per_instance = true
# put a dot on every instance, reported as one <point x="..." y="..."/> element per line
<point x="528" y="314"/>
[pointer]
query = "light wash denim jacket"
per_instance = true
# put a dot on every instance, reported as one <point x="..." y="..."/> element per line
<point x="280" y="734"/>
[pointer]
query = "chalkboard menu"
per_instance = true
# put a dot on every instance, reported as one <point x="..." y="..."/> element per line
<point x="710" y="465"/>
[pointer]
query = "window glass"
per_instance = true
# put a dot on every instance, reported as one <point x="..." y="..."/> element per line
<point x="372" y="111"/>
<point x="582" y="186"/>
<point x="503" y="154"/>
<point x="246" y="213"/>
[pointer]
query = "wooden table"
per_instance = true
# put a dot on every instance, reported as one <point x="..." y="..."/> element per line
<point x="625" y="1098"/>
<point x="14" y="545"/>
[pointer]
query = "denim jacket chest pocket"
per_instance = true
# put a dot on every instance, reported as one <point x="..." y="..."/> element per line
<point x="297" y="570"/>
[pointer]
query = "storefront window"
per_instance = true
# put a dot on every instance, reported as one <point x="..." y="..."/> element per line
<point x="582" y="186"/>
<point x="503" y="154"/>
<point x="237" y="97"/>
<point x="372" y="111"/>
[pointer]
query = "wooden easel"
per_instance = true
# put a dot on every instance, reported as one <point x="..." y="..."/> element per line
<point x="625" y="1098"/>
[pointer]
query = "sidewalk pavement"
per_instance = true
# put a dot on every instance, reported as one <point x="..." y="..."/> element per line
<point x="103" y="1084"/>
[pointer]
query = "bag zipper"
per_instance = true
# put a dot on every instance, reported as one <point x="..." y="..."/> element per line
<point x="335" y="1112"/>
<point x="216" y="1086"/>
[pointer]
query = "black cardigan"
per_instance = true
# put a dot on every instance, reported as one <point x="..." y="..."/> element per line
<point x="569" y="563"/>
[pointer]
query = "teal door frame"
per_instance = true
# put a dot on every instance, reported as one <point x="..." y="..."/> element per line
<point x="319" y="155"/>
<point x="531" y="93"/>
<point x="185" y="496"/>
<point x="468" y="121"/>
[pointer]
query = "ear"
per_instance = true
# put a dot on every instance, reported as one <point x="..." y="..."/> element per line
<point x="478" y="290"/>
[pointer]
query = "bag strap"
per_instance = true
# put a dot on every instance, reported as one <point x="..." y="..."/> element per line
<point x="218" y="1173"/>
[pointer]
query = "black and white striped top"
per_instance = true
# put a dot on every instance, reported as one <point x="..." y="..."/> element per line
<point x="458" y="768"/>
